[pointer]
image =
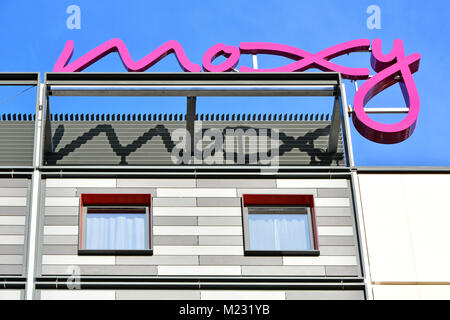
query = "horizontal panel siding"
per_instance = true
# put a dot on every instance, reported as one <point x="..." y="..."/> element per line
<point x="75" y="260"/>
<point x="242" y="295"/>
<point x="198" y="250"/>
<point x="197" y="211"/>
<point x="10" y="294"/>
<point x="189" y="192"/>
<point x="199" y="270"/>
<point x="197" y="229"/>
<point x="79" y="183"/>
<point x="13" y="220"/>
<point x="312" y="183"/>
<point x="171" y="294"/>
<point x="77" y="294"/>
<point x="13" y="201"/>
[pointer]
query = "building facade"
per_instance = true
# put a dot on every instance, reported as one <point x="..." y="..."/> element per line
<point x="256" y="206"/>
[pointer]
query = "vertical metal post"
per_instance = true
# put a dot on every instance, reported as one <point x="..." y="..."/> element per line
<point x="361" y="231"/>
<point x="35" y="195"/>
<point x="255" y="61"/>
<point x="346" y="125"/>
<point x="190" y="120"/>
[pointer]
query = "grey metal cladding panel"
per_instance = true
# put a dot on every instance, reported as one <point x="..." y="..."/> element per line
<point x="218" y="202"/>
<point x="150" y="143"/>
<point x="16" y="143"/>
<point x="14" y="183"/>
<point x="151" y="191"/>
<point x="334" y="221"/>
<point x="325" y="295"/>
<point x="236" y="183"/>
<point x="91" y="270"/>
<point x="337" y="241"/>
<point x="157" y="260"/>
<point x="174" y="202"/>
<point x="61" y="220"/>
<point x="12" y="249"/>
<point x="343" y="271"/>
<point x="239" y="260"/>
<point x="283" y="270"/>
<point x="16" y="230"/>
<point x="174" y="221"/>
<point x="15" y="269"/>
<point x="333" y="193"/>
<point x="60" y="249"/>
<point x="175" y="240"/>
<point x="66" y="211"/>
<point x="13" y="192"/>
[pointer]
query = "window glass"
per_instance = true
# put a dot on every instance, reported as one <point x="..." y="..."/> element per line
<point x="279" y="231"/>
<point x="116" y="229"/>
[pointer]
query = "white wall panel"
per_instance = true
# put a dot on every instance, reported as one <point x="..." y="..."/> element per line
<point x="12" y="220"/>
<point x="78" y="295"/>
<point x="11" y="239"/>
<point x="13" y="201"/>
<point x="78" y="260"/>
<point x="197" y="230"/>
<point x="199" y="270"/>
<point x="198" y="192"/>
<point x="320" y="260"/>
<point x="7" y="294"/>
<point x="242" y="295"/>
<point x="387" y="228"/>
<point x="197" y="211"/>
<point x="81" y="183"/>
<point x="428" y="212"/>
<point x="395" y="292"/>
<point x="62" y="201"/>
<point x="312" y="183"/>
<point x="335" y="231"/>
<point x="331" y="202"/>
<point x="61" y="230"/>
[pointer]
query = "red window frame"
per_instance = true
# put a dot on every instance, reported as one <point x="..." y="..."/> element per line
<point x="113" y="199"/>
<point x="306" y="200"/>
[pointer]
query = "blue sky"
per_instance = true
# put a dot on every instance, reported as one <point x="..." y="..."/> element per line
<point x="33" y="34"/>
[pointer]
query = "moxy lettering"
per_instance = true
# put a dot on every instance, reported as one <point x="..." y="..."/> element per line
<point x="391" y="68"/>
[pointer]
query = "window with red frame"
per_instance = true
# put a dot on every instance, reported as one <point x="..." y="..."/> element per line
<point x="115" y="224"/>
<point x="277" y="224"/>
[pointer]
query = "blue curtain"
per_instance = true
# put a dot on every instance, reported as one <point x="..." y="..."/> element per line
<point x="117" y="231"/>
<point x="279" y="232"/>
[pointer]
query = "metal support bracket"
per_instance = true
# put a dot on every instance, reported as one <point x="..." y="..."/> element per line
<point x="335" y="126"/>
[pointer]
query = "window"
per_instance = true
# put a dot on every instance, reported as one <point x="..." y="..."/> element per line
<point x="115" y="224"/>
<point x="279" y="225"/>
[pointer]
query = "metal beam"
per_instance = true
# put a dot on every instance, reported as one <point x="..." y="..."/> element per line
<point x="199" y="90"/>
<point x="190" y="120"/>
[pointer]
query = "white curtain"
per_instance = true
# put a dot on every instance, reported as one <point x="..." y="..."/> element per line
<point x="117" y="231"/>
<point x="279" y="232"/>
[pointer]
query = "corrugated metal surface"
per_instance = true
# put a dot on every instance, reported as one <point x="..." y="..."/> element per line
<point x="151" y="142"/>
<point x="16" y="142"/>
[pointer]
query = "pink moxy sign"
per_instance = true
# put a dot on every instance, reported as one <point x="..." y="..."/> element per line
<point x="390" y="68"/>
